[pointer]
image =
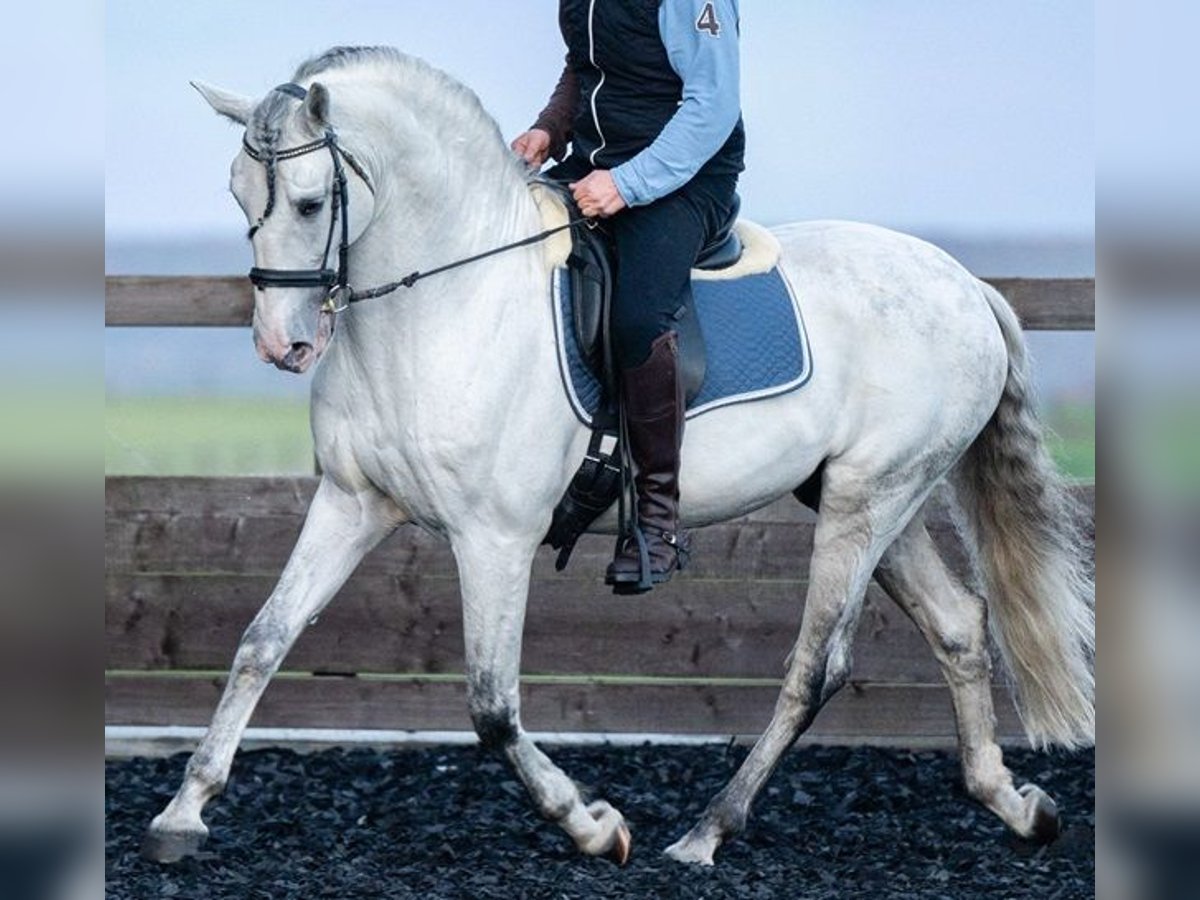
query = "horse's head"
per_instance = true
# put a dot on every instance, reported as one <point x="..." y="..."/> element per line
<point x="304" y="209"/>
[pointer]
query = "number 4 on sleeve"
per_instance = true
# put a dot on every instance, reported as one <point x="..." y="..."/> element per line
<point x="708" y="21"/>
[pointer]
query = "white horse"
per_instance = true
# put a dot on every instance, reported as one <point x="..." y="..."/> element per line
<point x="442" y="406"/>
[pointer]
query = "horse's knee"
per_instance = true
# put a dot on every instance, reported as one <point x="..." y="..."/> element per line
<point x="496" y="728"/>
<point x="260" y="651"/>
<point x="494" y="718"/>
<point x="837" y="673"/>
<point x="827" y="672"/>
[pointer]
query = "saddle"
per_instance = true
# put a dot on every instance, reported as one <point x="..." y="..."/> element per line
<point x="589" y="265"/>
<point x="598" y="482"/>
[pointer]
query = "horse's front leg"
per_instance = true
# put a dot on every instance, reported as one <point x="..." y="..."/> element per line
<point x="341" y="527"/>
<point x="494" y="572"/>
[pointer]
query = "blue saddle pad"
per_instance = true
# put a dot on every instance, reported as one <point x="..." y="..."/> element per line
<point x="754" y="340"/>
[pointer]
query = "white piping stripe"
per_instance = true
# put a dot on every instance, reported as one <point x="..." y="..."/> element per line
<point x="786" y="388"/>
<point x="592" y="59"/>
<point x="564" y="366"/>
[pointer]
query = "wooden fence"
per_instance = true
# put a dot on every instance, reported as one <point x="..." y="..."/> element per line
<point x="190" y="560"/>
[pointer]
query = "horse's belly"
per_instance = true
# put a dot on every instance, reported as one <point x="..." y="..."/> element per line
<point x="739" y="458"/>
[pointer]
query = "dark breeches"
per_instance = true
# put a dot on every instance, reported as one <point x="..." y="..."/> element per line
<point x="656" y="246"/>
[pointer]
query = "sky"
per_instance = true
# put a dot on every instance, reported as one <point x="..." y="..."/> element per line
<point x="959" y="117"/>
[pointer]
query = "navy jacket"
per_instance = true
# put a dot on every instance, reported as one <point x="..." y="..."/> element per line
<point x="621" y="88"/>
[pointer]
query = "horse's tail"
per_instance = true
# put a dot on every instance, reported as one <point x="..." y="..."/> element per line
<point x="1034" y="556"/>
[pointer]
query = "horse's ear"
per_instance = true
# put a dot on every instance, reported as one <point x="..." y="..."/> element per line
<point x="316" y="106"/>
<point x="231" y="106"/>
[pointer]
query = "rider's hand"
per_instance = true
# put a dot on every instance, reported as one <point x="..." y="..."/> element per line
<point x="533" y="146"/>
<point x="597" y="194"/>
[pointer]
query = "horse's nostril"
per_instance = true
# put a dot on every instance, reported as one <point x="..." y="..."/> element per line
<point x="298" y="357"/>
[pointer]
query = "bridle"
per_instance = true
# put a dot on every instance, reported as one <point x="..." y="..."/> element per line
<point x="340" y="294"/>
<point x="337" y="281"/>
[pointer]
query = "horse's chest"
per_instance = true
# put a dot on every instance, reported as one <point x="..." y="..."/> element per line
<point x="368" y="449"/>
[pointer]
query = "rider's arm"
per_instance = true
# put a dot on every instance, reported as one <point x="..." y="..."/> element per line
<point x="708" y="65"/>
<point x="556" y="118"/>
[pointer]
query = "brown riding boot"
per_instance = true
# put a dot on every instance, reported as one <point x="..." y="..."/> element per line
<point x="654" y="407"/>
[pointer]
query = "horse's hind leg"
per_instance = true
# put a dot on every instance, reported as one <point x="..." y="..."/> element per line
<point x="494" y="573"/>
<point x="339" y="530"/>
<point x="854" y="528"/>
<point x="953" y="622"/>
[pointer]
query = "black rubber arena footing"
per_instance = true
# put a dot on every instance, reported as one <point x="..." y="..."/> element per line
<point x="455" y="823"/>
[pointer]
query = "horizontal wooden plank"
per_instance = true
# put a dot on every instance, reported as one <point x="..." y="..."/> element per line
<point x="282" y="495"/>
<point x="260" y="545"/>
<point x="251" y="495"/>
<point x="1042" y="303"/>
<point x="214" y="538"/>
<point x="177" y="300"/>
<point x="1051" y="304"/>
<point x="250" y="526"/>
<point x="388" y="624"/>
<point x="859" y="712"/>
<point x="182" y="585"/>
<point x="286" y="495"/>
<point x="732" y="551"/>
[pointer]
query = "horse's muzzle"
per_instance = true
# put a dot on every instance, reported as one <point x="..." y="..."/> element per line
<point x="296" y="345"/>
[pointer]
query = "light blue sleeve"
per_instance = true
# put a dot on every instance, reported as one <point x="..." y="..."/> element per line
<point x="707" y="63"/>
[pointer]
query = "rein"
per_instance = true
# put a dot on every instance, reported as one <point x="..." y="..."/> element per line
<point x="341" y="294"/>
<point x="413" y="277"/>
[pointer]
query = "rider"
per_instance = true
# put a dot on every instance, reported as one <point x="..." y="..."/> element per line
<point x="649" y="102"/>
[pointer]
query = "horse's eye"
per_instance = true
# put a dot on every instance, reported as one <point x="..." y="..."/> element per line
<point x="308" y="208"/>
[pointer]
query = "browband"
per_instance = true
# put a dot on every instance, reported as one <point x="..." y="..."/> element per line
<point x="292" y="90"/>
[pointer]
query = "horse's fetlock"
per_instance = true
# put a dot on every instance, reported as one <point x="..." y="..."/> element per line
<point x="555" y="809"/>
<point x="726" y="815"/>
<point x="981" y="787"/>
<point x="205" y="772"/>
<point x="984" y="773"/>
<point x="727" y="820"/>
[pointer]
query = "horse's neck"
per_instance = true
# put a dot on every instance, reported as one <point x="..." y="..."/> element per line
<point x="427" y="216"/>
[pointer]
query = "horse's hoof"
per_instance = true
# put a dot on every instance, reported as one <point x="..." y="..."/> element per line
<point x="621" y="845"/>
<point x="1045" y="824"/>
<point x="611" y="838"/>
<point x="172" y="846"/>
<point x="692" y="850"/>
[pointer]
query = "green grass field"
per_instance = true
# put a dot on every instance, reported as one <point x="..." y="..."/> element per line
<point x="1072" y="438"/>
<point x="188" y="436"/>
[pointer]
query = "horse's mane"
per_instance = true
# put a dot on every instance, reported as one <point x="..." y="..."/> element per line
<point x="341" y="57"/>
<point x="438" y="93"/>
